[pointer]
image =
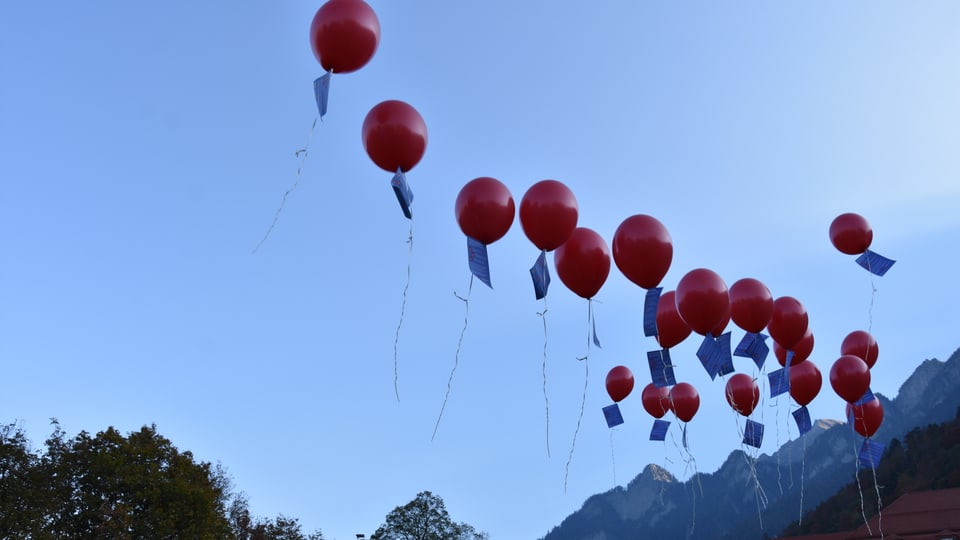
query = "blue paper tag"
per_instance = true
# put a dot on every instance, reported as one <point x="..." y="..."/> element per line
<point x="477" y="257"/>
<point x="724" y="355"/>
<point x="753" y="346"/>
<point x="779" y="381"/>
<point x="402" y="190"/>
<point x="753" y="433"/>
<point x="661" y="369"/>
<point x="321" y="89"/>
<point x="659" y="430"/>
<point x="613" y="416"/>
<point x="593" y="324"/>
<point x="540" y="273"/>
<point x="868" y="397"/>
<point x="714" y="354"/>
<point x="870" y="454"/>
<point x="650" y="303"/>
<point x="802" y="418"/>
<point x="875" y="263"/>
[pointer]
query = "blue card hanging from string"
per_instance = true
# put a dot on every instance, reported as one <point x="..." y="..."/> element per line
<point x="540" y="274"/>
<point x="802" y="417"/>
<point x="714" y="354"/>
<point x="661" y="368"/>
<point x="870" y="454"/>
<point x="612" y="414"/>
<point x="753" y="433"/>
<point x="403" y="193"/>
<point x="779" y="381"/>
<point x="650" y="303"/>
<point x="477" y="259"/>
<point x="659" y="430"/>
<point x="867" y="397"/>
<point x="753" y="346"/>
<point x="321" y="92"/>
<point x="875" y="263"/>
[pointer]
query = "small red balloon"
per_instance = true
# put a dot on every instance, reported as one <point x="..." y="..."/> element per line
<point x="751" y="304"/>
<point x="684" y="401"/>
<point x="703" y="300"/>
<point x="866" y="418"/>
<point x="671" y="330"/>
<point x="850" y="378"/>
<point x="394" y="136"/>
<point x="583" y="262"/>
<point x="656" y="401"/>
<point x="619" y="383"/>
<point x="743" y="394"/>
<point x="548" y="214"/>
<point x="788" y="323"/>
<point x="851" y="233"/>
<point x="484" y="209"/>
<point x="344" y="35"/>
<point x="643" y="250"/>
<point x="805" y="382"/>
<point x="801" y="351"/>
<point x="862" y="344"/>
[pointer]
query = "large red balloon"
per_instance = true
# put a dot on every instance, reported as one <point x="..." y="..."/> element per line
<point x="394" y="135"/>
<point x="743" y="394"/>
<point x="703" y="301"/>
<point x="866" y="418"/>
<point x="484" y="209"/>
<point x="685" y="401"/>
<point x="851" y="234"/>
<point x="583" y="262"/>
<point x="643" y="250"/>
<point x="862" y="344"/>
<point x="671" y="329"/>
<point x="548" y="214"/>
<point x="850" y="378"/>
<point x="805" y="382"/>
<point x="344" y="35"/>
<point x="788" y="323"/>
<point x="656" y="401"/>
<point x="751" y="304"/>
<point x="619" y="383"/>
<point x="801" y="351"/>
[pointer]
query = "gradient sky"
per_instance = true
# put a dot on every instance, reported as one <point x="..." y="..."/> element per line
<point x="145" y="146"/>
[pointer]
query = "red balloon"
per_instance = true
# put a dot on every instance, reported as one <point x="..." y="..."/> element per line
<point x="788" y="323"/>
<point x="583" y="262"/>
<point x="851" y="234"/>
<point x="394" y="136"/>
<point x="703" y="301"/>
<point x="548" y="214"/>
<point x="805" y="382"/>
<point x="743" y="394"/>
<point x="862" y="344"/>
<point x="671" y="329"/>
<point x="801" y="351"/>
<point x="722" y="325"/>
<point x="619" y="383"/>
<point x="484" y="209"/>
<point x="656" y="401"/>
<point x="751" y="304"/>
<point x="684" y="401"/>
<point x="344" y="35"/>
<point x="866" y="418"/>
<point x="850" y="377"/>
<point x="642" y="250"/>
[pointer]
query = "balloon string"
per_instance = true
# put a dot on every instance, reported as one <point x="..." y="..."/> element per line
<point x="876" y="487"/>
<point x="456" y="356"/>
<point x="546" y="400"/>
<point x="860" y="490"/>
<point x="583" y="402"/>
<point x="803" y="470"/>
<point x="776" y="424"/>
<point x="613" y="459"/>
<point x="302" y="154"/>
<point x="403" y="308"/>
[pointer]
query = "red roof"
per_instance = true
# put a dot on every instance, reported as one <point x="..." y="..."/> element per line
<point x="923" y="515"/>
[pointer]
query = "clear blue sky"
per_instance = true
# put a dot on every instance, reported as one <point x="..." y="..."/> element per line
<point x="144" y="149"/>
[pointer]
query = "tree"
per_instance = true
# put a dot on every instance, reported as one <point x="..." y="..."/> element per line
<point x="115" y="486"/>
<point x="424" y="518"/>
